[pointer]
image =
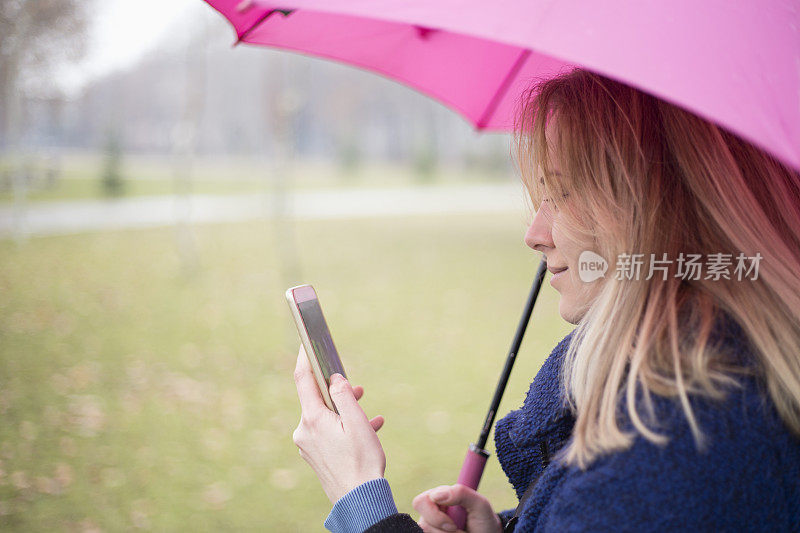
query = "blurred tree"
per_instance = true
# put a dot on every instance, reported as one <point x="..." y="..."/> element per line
<point x="425" y="164"/>
<point x="34" y="34"/>
<point x="425" y="155"/>
<point x="111" y="179"/>
<point x="349" y="158"/>
<point x="184" y="144"/>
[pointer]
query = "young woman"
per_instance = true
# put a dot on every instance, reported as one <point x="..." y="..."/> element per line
<point x="675" y="402"/>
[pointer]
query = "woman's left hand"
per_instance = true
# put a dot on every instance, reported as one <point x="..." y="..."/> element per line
<point x="342" y="449"/>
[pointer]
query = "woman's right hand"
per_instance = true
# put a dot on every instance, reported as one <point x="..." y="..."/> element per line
<point x="432" y="506"/>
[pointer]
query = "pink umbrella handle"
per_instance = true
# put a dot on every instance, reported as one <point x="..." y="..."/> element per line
<point x="470" y="476"/>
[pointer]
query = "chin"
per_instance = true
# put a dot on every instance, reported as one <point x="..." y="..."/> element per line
<point x="568" y="314"/>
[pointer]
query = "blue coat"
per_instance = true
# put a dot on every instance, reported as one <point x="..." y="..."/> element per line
<point x="748" y="479"/>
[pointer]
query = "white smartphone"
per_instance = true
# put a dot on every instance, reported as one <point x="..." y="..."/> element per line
<point x="316" y="338"/>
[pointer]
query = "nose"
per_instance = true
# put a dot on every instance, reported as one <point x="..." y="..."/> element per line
<point x="539" y="235"/>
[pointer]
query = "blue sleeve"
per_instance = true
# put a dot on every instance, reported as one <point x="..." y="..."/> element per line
<point x="362" y="507"/>
<point x="505" y="516"/>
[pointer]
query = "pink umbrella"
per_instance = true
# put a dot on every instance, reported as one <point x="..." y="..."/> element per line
<point x="737" y="64"/>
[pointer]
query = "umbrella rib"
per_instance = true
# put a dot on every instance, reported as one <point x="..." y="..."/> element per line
<point x="502" y="89"/>
<point x="256" y="24"/>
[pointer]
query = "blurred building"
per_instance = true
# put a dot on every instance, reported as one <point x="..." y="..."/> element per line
<point x="337" y="112"/>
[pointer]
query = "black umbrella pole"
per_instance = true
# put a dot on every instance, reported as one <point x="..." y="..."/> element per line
<point x="475" y="461"/>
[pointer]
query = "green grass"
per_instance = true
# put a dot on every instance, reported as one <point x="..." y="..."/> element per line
<point x="142" y="390"/>
<point x="79" y="176"/>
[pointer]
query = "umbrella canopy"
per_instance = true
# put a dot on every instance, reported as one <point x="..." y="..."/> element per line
<point x="737" y="64"/>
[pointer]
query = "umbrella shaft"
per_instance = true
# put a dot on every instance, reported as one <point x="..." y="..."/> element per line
<point x="512" y="355"/>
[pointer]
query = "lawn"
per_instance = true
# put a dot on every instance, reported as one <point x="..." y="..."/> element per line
<point x="147" y="375"/>
<point x="79" y="176"/>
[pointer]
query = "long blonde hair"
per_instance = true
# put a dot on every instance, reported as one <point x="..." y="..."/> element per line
<point x="652" y="178"/>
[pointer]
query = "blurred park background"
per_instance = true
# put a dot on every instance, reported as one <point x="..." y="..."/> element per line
<point x="159" y="191"/>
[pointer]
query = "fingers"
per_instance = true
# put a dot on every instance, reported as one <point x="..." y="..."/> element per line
<point x="427" y="528"/>
<point x="432" y="506"/>
<point x="353" y="417"/>
<point x="307" y="389"/>
<point x="344" y="396"/>
<point x="358" y="392"/>
<point x="456" y="495"/>
<point x="377" y="423"/>
<point x="432" y="513"/>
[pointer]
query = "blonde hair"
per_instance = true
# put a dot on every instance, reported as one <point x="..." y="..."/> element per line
<point x="652" y="178"/>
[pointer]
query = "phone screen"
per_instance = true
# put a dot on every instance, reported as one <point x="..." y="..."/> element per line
<point x="320" y="337"/>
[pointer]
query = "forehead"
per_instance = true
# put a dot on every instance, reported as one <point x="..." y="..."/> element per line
<point x="552" y="142"/>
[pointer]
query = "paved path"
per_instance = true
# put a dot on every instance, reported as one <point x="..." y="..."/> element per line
<point x="58" y="218"/>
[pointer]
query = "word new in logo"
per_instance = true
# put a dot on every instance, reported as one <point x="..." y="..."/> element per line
<point x="591" y="266"/>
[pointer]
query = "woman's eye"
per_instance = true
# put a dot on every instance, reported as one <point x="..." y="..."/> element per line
<point x="548" y="201"/>
<point x="562" y="196"/>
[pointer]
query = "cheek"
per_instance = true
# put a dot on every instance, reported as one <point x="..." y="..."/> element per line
<point x="579" y="294"/>
<point x="571" y="247"/>
<point x="566" y="247"/>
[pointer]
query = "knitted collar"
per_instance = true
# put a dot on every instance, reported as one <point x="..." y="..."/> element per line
<point x="545" y="408"/>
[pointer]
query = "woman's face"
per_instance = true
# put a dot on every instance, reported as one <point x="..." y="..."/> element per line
<point x="562" y="254"/>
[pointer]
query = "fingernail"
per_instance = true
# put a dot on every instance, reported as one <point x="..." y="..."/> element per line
<point x="449" y="526"/>
<point x="439" y="495"/>
<point x="337" y="378"/>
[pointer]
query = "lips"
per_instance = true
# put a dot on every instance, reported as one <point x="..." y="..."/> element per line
<point x="556" y="270"/>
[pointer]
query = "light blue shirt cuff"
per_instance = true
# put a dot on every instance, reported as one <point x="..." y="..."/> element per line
<point x="362" y="507"/>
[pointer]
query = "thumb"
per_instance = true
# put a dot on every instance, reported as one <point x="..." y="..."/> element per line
<point x="455" y="495"/>
<point x="353" y="416"/>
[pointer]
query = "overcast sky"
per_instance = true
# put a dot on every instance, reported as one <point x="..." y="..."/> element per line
<point x="121" y="31"/>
